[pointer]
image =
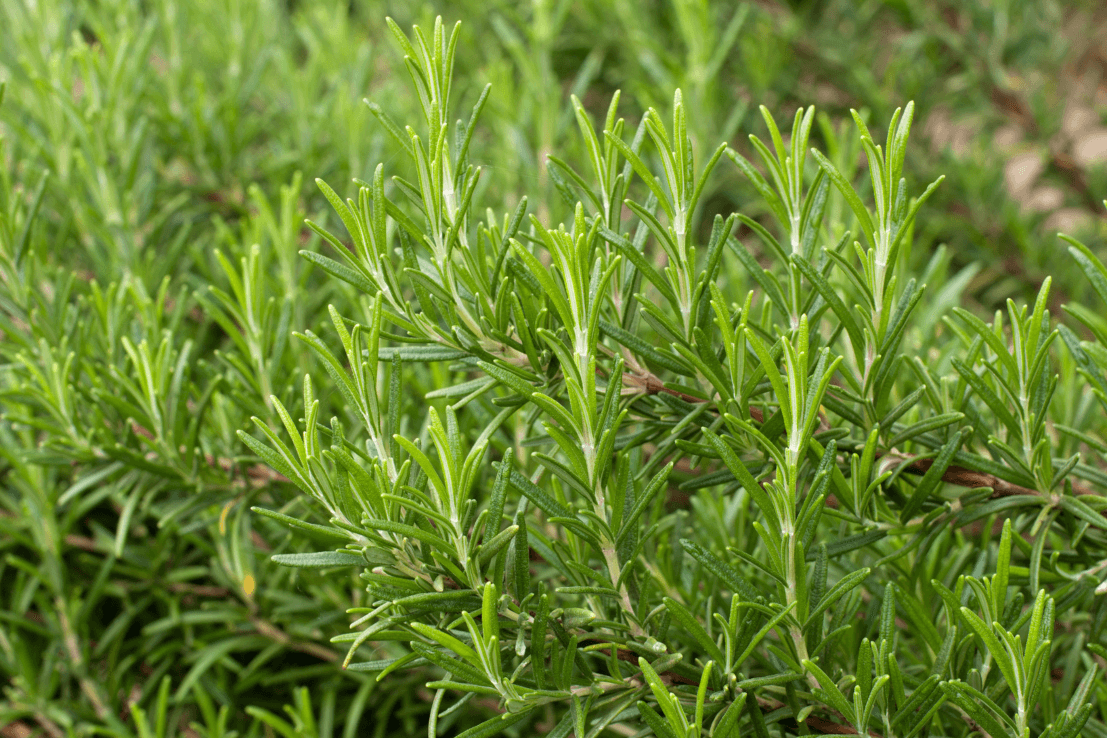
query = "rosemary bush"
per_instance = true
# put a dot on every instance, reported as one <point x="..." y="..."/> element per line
<point x="838" y="435"/>
<point x="691" y="439"/>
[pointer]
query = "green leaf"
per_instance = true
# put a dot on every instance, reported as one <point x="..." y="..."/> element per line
<point x="980" y="328"/>
<point x="1092" y="267"/>
<point x="991" y="642"/>
<point x="655" y="722"/>
<point x="966" y="698"/>
<point x="760" y="635"/>
<point x="508" y="378"/>
<point x="735" y="582"/>
<point x="831" y="692"/>
<point x="538" y="496"/>
<point x="845" y="584"/>
<point x="690" y="624"/>
<point x="668" y="704"/>
<point x="850" y="195"/>
<point x="673" y="363"/>
<point x="641" y="170"/>
<point x="759" y="184"/>
<point x="742" y="474"/>
<point x="856" y="337"/>
<point x="641" y="263"/>
<point x="496" y="725"/>
<point x="649" y="494"/>
<point x="301" y="524"/>
<point x="320" y="559"/>
<point x="1075" y="507"/>
<point x="341" y="271"/>
<point x="410" y="531"/>
<point x="925" y="426"/>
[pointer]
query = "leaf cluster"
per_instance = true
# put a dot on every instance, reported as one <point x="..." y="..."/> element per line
<point x="592" y="359"/>
<point x="695" y="438"/>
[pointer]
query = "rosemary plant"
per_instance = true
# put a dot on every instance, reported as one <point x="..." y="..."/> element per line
<point x="640" y="500"/>
<point x="692" y="439"/>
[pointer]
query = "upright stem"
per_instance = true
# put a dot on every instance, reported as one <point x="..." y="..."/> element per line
<point x="797" y="288"/>
<point x="791" y="598"/>
<point x="792" y="562"/>
<point x="610" y="555"/>
<point x="614" y="572"/>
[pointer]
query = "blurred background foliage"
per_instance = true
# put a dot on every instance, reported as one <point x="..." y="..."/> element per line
<point x="154" y="149"/>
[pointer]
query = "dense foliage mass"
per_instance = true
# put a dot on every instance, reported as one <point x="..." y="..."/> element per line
<point x="565" y="424"/>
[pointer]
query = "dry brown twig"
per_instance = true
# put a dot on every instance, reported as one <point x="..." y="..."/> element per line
<point x="956" y="475"/>
<point x="16" y="730"/>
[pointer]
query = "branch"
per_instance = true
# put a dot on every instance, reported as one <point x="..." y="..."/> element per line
<point x="256" y="473"/>
<point x="957" y="475"/>
<point x="650" y="384"/>
<point x="71" y="641"/>
<point x="267" y="629"/>
<point x="19" y="730"/>
<point x="819" y="725"/>
<point x="825" y="727"/>
<point x="963" y="477"/>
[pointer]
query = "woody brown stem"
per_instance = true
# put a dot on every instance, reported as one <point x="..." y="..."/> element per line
<point x="277" y="635"/>
<point x="819" y="725"/>
<point x="963" y="477"/>
<point x="957" y="475"/>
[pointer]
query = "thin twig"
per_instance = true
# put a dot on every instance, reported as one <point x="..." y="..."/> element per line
<point x="257" y="472"/>
<point x="957" y="475"/>
<point x="16" y="730"/>
<point x="73" y="649"/>
<point x="820" y="725"/>
<point x="826" y="727"/>
<point x="963" y="477"/>
<point x="650" y="384"/>
<point x="267" y="629"/>
<point x="52" y="729"/>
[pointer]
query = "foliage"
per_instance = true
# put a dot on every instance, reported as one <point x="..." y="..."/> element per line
<point x="729" y="450"/>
